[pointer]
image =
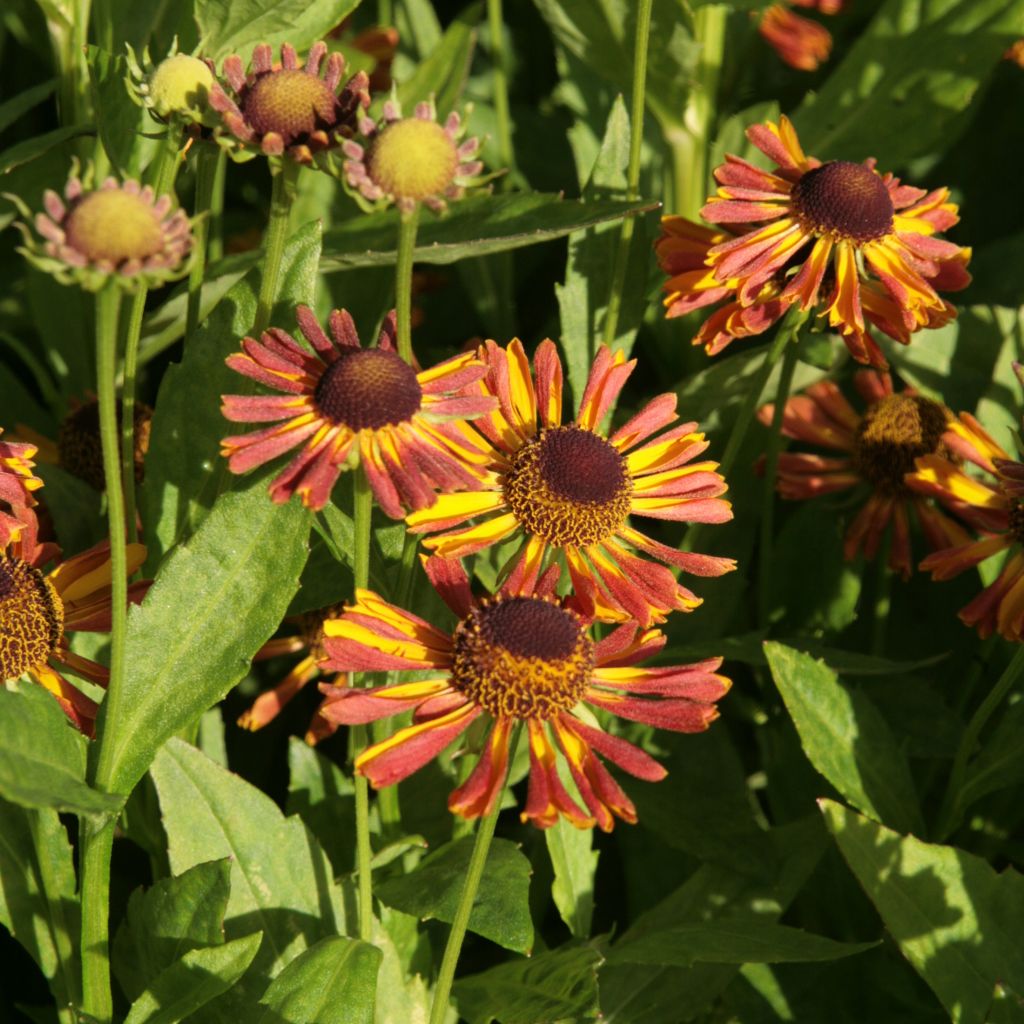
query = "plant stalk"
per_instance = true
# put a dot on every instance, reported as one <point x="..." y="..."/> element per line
<point x="283" y="195"/>
<point x="207" y="164"/>
<point x="499" y="72"/>
<point x="407" y="226"/>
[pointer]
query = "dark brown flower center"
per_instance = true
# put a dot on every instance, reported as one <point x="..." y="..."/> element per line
<point x="367" y="389"/>
<point x="522" y="657"/>
<point x="115" y="226"/>
<point x="294" y="104"/>
<point x="844" y="199"/>
<point x="78" y="442"/>
<point x="1017" y="522"/>
<point x="31" y="618"/>
<point x="893" y="433"/>
<point x="570" y="486"/>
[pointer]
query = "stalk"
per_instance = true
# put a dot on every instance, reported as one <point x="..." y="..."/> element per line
<point x="407" y="226"/>
<point x="215" y="245"/>
<point x="500" y="82"/>
<point x="207" y="165"/>
<point x="636" y="135"/>
<point x="281" y="199"/>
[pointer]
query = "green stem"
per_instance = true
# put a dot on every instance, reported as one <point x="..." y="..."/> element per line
<point x="385" y="13"/>
<point x="206" y="179"/>
<point x="952" y="809"/>
<point x="636" y="137"/>
<point x="215" y="245"/>
<point x="362" y="512"/>
<point x="281" y="199"/>
<point x="407" y="226"/>
<point x="474" y="873"/>
<point x="97" y="839"/>
<point x="771" y="465"/>
<point x="883" y="595"/>
<point x="500" y="83"/>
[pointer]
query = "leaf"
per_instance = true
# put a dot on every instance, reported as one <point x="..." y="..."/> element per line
<point x="236" y="26"/>
<point x="74" y="506"/>
<point x="193" y="981"/>
<point x="217" y="598"/>
<point x="501" y="912"/>
<point x="557" y="985"/>
<point x="846" y="738"/>
<point x="323" y="796"/>
<point x="184" y="469"/>
<point x="38" y="901"/>
<point x="333" y="982"/>
<point x="955" y="919"/>
<point x="474" y="226"/>
<point x="42" y="758"/>
<point x="724" y="943"/>
<point x="574" y="863"/>
<point x="905" y="80"/>
<point x="442" y="75"/>
<point x="1000" y="762"/>
<point x="31" y="149"/>
<point x="281" y="881"/>
<point x="24" y="102"/>
<point x="173" y="917"/>
<point x="122" y="123"/>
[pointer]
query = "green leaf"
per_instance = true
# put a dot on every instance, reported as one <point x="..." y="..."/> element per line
<point x="173" y="917"/>
<point x="74" y="506"/>
<point x="955" y="919"/>
<point x="24" y="102"/>
<point x="216" y="600"/>
<point x="333" y="982"/>
<point x="442" y="76"/>
<point x="846" y="738"/>
<point x="501" y="912"/>
<point x="184" y="469"/>
<point x="281" y="881"/>
<point x="236" y="26"/>
<point x="473" y="226"/>
<point x="720" y="942"/>
<point x="42" y="758"/>
<point x="558" y="985"/>
<point x="903" y="83"/>
<point x="1000" y="762"/>
<point x="193" y="981"/>
<point x="574" y="863"/>
<point x="121" y="122"/>
<point x="31" y="149"/>
<point x="323" y="796"/>
<point x="38" y="900"/>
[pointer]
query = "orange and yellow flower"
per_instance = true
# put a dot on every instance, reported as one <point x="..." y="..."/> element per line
<point x="570" y="488"/>
<point x="345" y="405"/>
<point x="995" y="508"/>
<point x="801" y="43"/>
<point x="881" y="446"/>
<point x="517" y="657"/>
<point x="17" y="482"/>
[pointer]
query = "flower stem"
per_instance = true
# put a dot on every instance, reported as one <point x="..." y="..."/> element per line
<point x="98" y="839"/>
<point x="474" y="873"/>
<point x="499" y="72"/>
<point x="952" y="805"/>
<point x="636" y="136"/>
<point x="215" y="246"/>
<point x="771" y="465"/>
<point x="281" y="199"/>
<point x="362" y="512"/>
<point x="206" y="180"/>
<point x="407" y="226"/>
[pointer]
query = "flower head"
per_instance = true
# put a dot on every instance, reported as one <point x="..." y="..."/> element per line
<point x="515" y="657"/>
<point x="38" y="609"/>
<point x="881" y="445"/>
<point x="801" y="43"/>
<point x="411" y="160"/>
<point x="872" y="245"/>
<point x="569" y="487"/>
<point x="994" y="507"/>
<point x="17" y="482"/>
<point x="287" y="109"/>
<point x="347" y="405"/>
<point x="178" y="88"/>
<point x="120" y="231"/>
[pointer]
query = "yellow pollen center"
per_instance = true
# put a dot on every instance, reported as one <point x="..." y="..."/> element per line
<point x="292" y="103"/>
<point x="845" y="200"/>
<point x="180" y="84"/>
<point x="893" y="433"/>
<point x="413" y="159"/>
<point x="522" y="657"/>
<point x="31" y="618"/>
<point x="569" y="487"/>
<point x="115" y="226"/>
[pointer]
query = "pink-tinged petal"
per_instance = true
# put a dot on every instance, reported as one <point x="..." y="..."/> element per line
<point x="950" y="562"/>
<point x="939" y="530"/>
<point x="626" y="755"/>
<point x="378" y="476"/>
<point x="312" y="474"/>
<point x="868" y="527"/>
<point x="411" y="748"/>
<point x="628" y="644"/>
<point x="780" y="142"/>
<point x="697" y="481"/>
<point x="697" y="565"/>
<point x="477" y="795"/>
<point x="461" y="406"/>
<point x="607" y="377"/>
<point x="706" y="510"/>
<point x="449" y="579"/>
<point x="295" y="382"/>
<point x="246" y="451"/>
<point x="351" y="706"/>
<point x="546" y="797"/>
<point x="674" y="714"/>
<point x="344" y="655"/>
<point x="601" y="793"/>
<point x="698" y="682"/>
<point x="658" y="413"/>
<point x="548" y="370"/>
<point x="80" y="709"/>
<point x="528" y="560"/>
<point x="262" y="408"/>
<point x="439" y="706"/>
<point x="735" y="211"/>
<point x="268" y="705"/>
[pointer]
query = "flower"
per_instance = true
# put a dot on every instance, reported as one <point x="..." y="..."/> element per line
<point x="344" y="404"/>
<point x="38" y="609"/>
<point x="309" y="639"/>
<point x="285" y="109"/>
<point x="119" y="231"/>
<point x="857" y="223"/>
<point x="994" y="508"/>
<point x="570" y="488"/>
<point x="801" y="43"/>
<point x="515" y="657"/>
<point x="411" y="160"/>
<point x="17" y="482"/>
<point x="882" y="444"/>
<point x="176" y="88"/>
